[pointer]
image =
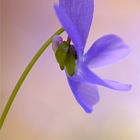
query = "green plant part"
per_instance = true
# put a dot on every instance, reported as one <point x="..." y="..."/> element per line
<point x="61" y="54"/>
<point x="66" y="57"/>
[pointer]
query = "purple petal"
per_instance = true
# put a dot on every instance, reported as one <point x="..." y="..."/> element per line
<point x="85" y="93"/>
<point x="70" y="29"/>
<point x="76" y="17"/>
<point x="94" y="79"/>
<point x="80" y="12"/>
<point x="106" y="50"/>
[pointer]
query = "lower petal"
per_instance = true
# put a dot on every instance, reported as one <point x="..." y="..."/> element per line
<point x="117" y="85"/>
<point x="94" y="79"/>
<point x="85" y="93"/>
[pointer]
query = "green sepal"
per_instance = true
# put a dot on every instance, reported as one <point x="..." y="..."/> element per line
<point x="61" y="54"/>
<point x="70" y="65"/>
<point x="66" y="57"/>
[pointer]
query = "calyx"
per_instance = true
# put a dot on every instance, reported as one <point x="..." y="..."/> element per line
<point x="66" y="57"/>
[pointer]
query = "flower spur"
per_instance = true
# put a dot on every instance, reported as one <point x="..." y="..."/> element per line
<point x="76" y="17"/>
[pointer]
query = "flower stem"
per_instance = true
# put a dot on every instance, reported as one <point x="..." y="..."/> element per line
<point x="24" y="75"/>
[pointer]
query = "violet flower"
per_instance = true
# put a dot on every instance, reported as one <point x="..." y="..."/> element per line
<point x="76" y="17"/>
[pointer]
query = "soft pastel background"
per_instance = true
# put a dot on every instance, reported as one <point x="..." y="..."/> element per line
<point x="45" y="108"/>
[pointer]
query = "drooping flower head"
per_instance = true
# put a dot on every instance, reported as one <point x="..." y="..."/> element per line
<point x="76" y="17"/>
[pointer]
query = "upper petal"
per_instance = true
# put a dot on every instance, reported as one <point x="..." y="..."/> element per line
<point x="106" y="50"/>
<point x="76" y="17"/>
<point x="85" y="93"/>
<point x="70" y="29"/>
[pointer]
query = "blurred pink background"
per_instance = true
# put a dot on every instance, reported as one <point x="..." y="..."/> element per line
<point x="45" y="108"/>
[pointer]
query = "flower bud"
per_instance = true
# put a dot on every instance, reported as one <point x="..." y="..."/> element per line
<point x="57" y="40"/>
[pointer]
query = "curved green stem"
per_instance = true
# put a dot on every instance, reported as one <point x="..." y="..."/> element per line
<point x="24" y="75"/>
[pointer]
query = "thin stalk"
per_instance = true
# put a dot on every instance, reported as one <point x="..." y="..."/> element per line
<point x="24" y="75"/>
